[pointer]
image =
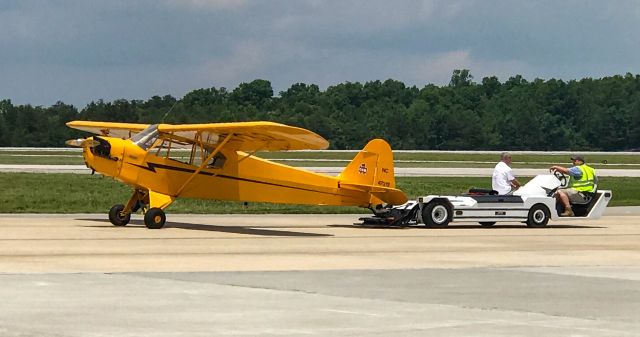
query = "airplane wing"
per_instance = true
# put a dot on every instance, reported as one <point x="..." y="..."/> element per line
<point x="246" y="136"/>
<point x="120" y="130"/>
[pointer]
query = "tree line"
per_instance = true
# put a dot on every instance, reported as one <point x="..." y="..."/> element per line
<point x="588" y="114"/>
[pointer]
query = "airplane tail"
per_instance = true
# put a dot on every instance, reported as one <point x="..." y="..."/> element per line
<point x="371" y="170"/>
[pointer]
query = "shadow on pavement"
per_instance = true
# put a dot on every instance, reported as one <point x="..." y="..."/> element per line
<point x="222" y="229"/>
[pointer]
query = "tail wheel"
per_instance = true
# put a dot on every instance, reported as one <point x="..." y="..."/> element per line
<point x="437" y="213"/>
<point x="538" y="216"/>
<point x="116" y="216"/>
<point x="154" y="218"/>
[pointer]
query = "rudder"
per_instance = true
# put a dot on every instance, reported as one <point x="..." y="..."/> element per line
<point x="372" y="169"/>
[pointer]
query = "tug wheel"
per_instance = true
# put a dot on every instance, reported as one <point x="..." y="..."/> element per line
<point x="116" y="217"/>
<point x="154" y="218"/>
<point x="538" y="216"/>
<point x="437" y="213"/>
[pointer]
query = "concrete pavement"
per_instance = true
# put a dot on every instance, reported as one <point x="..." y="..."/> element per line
<point x="300" y="275"/>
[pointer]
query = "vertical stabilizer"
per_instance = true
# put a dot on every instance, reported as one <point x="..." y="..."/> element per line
<point x="372" y="170"/>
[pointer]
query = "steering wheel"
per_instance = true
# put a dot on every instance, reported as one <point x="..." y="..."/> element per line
<point x="560" y="176"/>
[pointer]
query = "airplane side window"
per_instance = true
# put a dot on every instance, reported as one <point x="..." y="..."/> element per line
<point x="168" y="150"/>
<point x="179" y="155"/>
<point x="199" y="154"/>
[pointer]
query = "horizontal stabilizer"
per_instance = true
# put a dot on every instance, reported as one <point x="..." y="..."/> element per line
<point x="387" y="195"/>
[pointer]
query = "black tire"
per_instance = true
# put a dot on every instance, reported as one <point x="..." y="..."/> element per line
<point x="437" y="213"/>
<point x="538" y="216"/>
<point x="487" y="223"/>
<point x="154" y="218"/>
<point x="116" y="217"/>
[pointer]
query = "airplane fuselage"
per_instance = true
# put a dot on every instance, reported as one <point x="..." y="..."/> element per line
<point x="240" y="176"/>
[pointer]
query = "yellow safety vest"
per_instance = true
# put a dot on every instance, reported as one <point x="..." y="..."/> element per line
<point x="586" y="183"/>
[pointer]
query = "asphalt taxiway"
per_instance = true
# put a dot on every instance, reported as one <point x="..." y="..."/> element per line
<point x="215" y="275"/>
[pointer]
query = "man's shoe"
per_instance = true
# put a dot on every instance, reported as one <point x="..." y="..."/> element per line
<point x="567" y="212"/>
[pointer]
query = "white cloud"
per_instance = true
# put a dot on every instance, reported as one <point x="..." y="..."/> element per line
<point x="246" y="58"/>
<point x="452" y="8"/>
<point x="54" y="49"/>
<point x="366" y="16"/>
<point x="17" y="26"/>
<point x="438" y="68"/>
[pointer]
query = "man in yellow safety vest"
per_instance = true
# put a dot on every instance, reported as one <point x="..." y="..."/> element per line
<point x="582" y="179"/>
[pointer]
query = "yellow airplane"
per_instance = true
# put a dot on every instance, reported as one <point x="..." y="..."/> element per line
<point x="222" y="165"/>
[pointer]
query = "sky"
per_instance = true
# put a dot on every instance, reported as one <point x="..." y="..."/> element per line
<point x="78" y="51"/>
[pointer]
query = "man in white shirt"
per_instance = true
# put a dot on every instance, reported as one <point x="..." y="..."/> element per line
<point x="503" y="180"/>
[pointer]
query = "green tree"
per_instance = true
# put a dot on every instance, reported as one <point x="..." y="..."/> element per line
<point x="461" y="78"/>
<point x="586" y="114"/>
<point x="257" y="93"/>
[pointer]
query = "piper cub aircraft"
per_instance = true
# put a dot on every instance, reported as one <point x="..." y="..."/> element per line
<point x="222" y="165"/>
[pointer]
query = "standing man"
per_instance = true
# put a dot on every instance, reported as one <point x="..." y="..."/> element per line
<point x="582" y="178"/>
<point x="503" y="180"/>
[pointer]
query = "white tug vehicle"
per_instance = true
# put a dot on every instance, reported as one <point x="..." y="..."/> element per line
<point x="532" y="204"/>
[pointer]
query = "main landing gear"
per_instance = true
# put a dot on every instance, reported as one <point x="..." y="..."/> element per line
<point x="154" y="217"/>
<point x="118" y="217"/>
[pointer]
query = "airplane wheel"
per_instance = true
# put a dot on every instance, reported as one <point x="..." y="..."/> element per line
<point x="538" y="216"/>
<point x="116" y="217"/>
<point x="154" y="218"/>
<point x="487" y="223"/>
<point x="437" y="214"/>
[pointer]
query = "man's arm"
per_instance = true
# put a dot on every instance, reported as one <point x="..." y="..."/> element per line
<point x="515" y="183"/>
<point x="573" y="171"/>
<point x="560" y="169"/>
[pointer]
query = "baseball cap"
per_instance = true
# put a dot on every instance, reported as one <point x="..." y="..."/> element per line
<point x="578" y="157"/>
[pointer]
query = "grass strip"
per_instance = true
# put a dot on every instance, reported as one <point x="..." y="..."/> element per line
<point x="431" y="159"/>
<point x="75" y="193"/>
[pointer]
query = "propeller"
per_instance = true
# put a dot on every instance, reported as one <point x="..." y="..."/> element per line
<point x="80" y="142"/>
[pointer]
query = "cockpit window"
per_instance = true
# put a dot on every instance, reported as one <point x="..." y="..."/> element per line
<point x="147" y="137"/>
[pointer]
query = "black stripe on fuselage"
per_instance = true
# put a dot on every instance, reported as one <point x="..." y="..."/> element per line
<point x="152" y="167"/>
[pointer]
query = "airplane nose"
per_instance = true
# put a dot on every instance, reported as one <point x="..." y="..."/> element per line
<point x="102" y="154"/>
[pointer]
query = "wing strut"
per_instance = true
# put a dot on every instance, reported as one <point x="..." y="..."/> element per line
<point x="204" y="163"/>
